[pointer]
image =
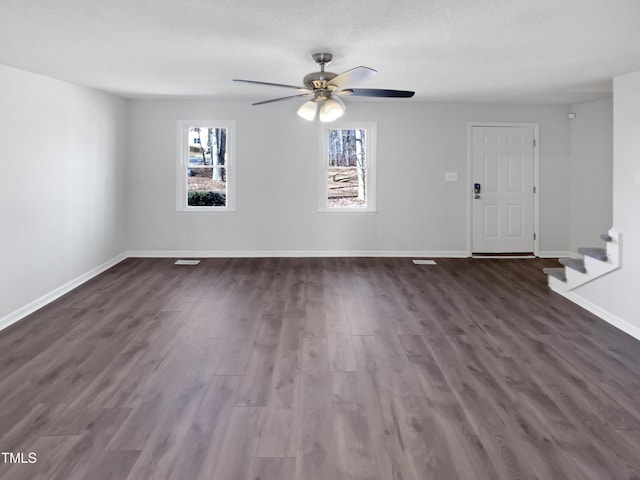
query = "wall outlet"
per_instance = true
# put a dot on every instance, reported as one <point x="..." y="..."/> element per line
<point x="380" y="234"/>
<point x="183" y="234"/>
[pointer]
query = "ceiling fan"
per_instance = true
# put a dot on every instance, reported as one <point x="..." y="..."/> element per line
<point x="327" y="88"/>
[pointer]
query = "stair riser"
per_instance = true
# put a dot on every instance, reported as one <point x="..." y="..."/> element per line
<point x="558" y="285"/>
<point x="572" y="264"/>
<point x="596" y="267"/>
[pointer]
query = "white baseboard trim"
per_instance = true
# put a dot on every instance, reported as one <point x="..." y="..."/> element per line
<point x="504" y="257"/>
<point x="19" y="314"/>
<point x="292" y="253"/>
<point x="555" y="254"/>
<point x="605" y="315"/>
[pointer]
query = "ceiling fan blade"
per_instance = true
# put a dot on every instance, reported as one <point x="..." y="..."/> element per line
<point x="302" y="89"/>
<point x="351" y="77"/>
<point x="283" y="98"/>
<point x="377" y="92"/>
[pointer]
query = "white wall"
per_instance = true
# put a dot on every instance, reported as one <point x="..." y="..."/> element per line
<point x="277" y="198"/>
<point x="616" y="296"/>
<point x="62" y="197"/>
<point x="591" y="207"/>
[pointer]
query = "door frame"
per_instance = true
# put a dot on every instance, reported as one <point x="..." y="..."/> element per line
<point x="536" y="181"/>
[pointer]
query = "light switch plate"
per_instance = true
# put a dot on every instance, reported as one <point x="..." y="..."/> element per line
<point x="450" y="176"/>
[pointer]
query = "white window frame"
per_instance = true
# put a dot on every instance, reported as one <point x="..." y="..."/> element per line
<point x="183" y="165"/>
<point x="370" y="151"/>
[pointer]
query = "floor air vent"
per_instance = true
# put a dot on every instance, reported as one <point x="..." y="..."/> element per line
<point x="187" y="262"/>
<point x="424" y="262"/>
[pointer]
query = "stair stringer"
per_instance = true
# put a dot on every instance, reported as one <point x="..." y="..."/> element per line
<point x="594" y="268"/>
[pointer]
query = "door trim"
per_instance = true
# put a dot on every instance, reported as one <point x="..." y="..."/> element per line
<point x="536" y="180"/>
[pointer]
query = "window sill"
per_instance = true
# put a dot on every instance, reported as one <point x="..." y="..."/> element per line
<point x="205" y="211"/>
<point x="347" y="211"/>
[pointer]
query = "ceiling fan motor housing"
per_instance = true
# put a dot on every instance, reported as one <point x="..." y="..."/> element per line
<point x="319" y="81"/>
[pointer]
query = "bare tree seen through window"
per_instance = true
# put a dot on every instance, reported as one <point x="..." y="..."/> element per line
<point x="346" y="182"/>
<point x="206" y="174"/>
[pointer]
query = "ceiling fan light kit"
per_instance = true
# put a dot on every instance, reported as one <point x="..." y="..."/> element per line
<point x="326" y="87"/>
<point x="331" y="110"/>
<point x="308" y="110"/>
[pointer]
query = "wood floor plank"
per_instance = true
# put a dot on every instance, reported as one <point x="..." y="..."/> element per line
<point x="109" y="465"/>
<point x="319" y="368"/>
<point x="90" y="445"/>
<point x="241" y="320"/>
<point x="316" y="453"/>
<point x="166" y="442"/>
<point x="354" y="449"/>
<point x="285" y="381"/>
<point x="256" y="384"/>
<point x="296" y="287"/>
<point x="240" y="445"/>
<point x="183" y="373"/>
<point x="481" y="410"/>
<point x="281" y="427"/>
<point x="388" y="447"/>
<point x="424" y="441"/>
<point x="279" y="435"/>
<point x="315" y="314"/>
<point x="272" y="469"/>
<point x="333" y="303"/>
<point x="133" y="366"/>
<point x="384" y="357"/>
<point x="203" y="444"/>
<point x="341" y="356"/>
<point x="448" y="412"/>
<point x="354" y="305"/>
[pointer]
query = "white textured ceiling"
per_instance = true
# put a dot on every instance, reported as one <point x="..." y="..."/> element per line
<point x="551" y="51"/>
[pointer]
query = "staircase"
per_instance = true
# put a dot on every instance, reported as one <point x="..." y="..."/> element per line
<point x="594" y="263"/>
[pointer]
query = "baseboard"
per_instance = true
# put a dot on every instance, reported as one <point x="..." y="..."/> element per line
<point x="556" y="254"/>
<point x="292" y="253"/>
<point x="605" y="315"/>
<point x="37" y="304"/>
<point x="503" y="257"/>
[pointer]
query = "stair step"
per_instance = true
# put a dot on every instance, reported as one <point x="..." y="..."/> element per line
<point x="558" y="273"/>
<point x="574" y="263"/>
<point x="597" y="253"/>
<point x="606" y="237"/>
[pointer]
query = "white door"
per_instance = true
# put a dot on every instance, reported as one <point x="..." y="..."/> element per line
<point x="502" y="166"/>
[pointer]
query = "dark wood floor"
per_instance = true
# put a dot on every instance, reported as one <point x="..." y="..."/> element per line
<point x="319" y="369"/>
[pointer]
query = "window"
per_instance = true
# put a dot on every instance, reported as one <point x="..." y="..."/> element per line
<point x="206" y="173"/>
<point x="348" y="167"/>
